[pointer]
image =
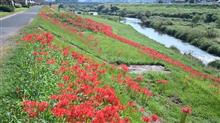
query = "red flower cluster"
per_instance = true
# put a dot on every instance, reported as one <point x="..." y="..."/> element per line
<point x="124" y="67"/>
<point x="45" y="38"/>
<point x="80" y="97"/>
<point x="152" y="118"/>
<point x="133" y="85"/>
<point x="107" y="30"/>
<point x="33" y="108"/>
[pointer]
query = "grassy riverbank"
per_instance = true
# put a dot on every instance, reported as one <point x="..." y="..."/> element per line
<point x="37" y="80"/>
<point x="196" y="24"/>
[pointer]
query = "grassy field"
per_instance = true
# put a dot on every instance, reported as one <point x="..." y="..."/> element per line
<point x="3" y="14"/>
<point x="37" y="81"/>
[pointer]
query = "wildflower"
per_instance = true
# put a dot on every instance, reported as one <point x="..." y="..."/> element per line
<point x="66" y="51"/>
<point x="187" y="110"/>
<point x="154" y="117"/>
<point x="51" y="61"/>
<point x="66" y="78"/>
<point x="33" y="108"/>
<point x="124" y="67"/>
<point x="146" y="119"/>
<point x="162" y="81"/>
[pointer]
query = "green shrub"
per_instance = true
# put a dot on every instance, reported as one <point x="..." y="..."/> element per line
<point x="215" y="49"/>
<point x="6" y="8"/>
<point x="210" y="17"/>
<point x="205" y="45"/>
<point x="215" y="64"/>
<point x="26" y="6"/>
<point x="195" y="20"/>
<point x="211" y="32"/>
<point x="175" y="49"/>
<point x="218" y="22"/>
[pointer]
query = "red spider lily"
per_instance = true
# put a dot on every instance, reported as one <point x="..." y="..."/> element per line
<point x="132" y="104"/>
<point x="107" y="94"/>
<point x="139" y="78"/>
<point x="146" y="119"/>
<point x="45" y="38"/>
<point x="162" y="81"/>
<point x="40" y="53"/>
<point x="80" y="98"/>
<point x="29" y="38"/>
<point x="108" y="114"/>
<point x="60" y="112"/>
<point x="33" y="108"/>
<point x="39" y="59"/>
<point x="187" y="110"/>
<point x="51" y="61"/>
<point x="154" y="118"/>
<point x="124" y="67"/>
<point x="66" y="51"/>
<point x="107" y="30"/>
<point x="66" y="78"/>
<point x="142" y="110"/>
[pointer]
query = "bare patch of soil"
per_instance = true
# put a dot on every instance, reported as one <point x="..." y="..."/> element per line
<point x="139" y="69"/>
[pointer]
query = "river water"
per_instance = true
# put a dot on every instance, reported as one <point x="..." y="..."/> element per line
<point x="168" y="41"/>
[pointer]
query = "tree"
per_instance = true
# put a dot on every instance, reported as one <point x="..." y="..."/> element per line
<point x="123" y="13"/>
<point x="114" y="9"/>
<point x="100" y="8"/>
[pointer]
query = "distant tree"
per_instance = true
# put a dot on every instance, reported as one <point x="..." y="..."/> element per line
<point x="114" y="9"/>
<point x="148" y="13"/>
<point x="195" y="20"/>
<point x="123" y="13"/>
<point x="145" y="20"/>
<point x="105" y="10"/>
<point x="140" y="14"/>
<point x="100" y="8"/>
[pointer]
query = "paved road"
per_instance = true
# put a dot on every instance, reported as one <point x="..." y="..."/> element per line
<point x="11" y="25"/>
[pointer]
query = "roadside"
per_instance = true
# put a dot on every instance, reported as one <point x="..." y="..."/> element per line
<point x="10" y="26"/>
<point x="17" y="10"/>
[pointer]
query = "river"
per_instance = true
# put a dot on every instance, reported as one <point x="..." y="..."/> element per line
<point x="168" y="41"/>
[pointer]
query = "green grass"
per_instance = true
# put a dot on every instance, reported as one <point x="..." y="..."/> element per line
<point x="3" y="14"/>
<point x="190" y="90"/>
<point x="130" y="33"/>
<point x="204" y="34"/>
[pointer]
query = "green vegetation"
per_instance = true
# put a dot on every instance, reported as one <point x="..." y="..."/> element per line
<point x="196" y="24"/>
<point x="35" y="81"/>
<point x="2" y="14"/>
<point x="5" y="8"/>
<point x="215" y="64"/>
